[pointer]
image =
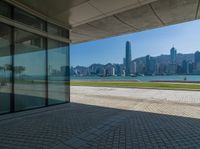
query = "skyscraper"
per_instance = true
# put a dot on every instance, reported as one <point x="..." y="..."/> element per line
<point x="197" y="62"/>
<point x="173" y="55"/>
<point x="197" y="57"/>
<point x="150" y="65"/>
<point x="128" y="58"/>
<point x="148" y="58"/>
<point x="185" y="67"/>
<point x="133" y="67"/>
<point x="124" y="62"/>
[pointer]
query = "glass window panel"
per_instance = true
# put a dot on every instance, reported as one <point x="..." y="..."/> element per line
<point x="58" y="72"/>
<point x="5" y="9"/>
<point x="28" y="19"/>
<point x="30" y="72"/>
<point x="56" y="30"/>
<point x="5" y="68"/>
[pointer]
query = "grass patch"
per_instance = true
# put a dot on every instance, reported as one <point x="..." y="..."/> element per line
<point x="136" y="84"/>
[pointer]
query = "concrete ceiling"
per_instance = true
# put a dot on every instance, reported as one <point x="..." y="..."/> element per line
<point x="96" y="19"/>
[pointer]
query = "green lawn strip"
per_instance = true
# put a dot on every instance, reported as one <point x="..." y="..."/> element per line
<point x="136" y="85"/>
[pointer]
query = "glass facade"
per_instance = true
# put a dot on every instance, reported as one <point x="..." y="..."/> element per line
<point x="34" y="70"/>
<point x="5" y="9"/>
<point x="5" y="68"/>
<point x="56" y="30"/>
<point x="28" y="19"/>
<point x="29" y="70"/>
<point x="58" y="74"/>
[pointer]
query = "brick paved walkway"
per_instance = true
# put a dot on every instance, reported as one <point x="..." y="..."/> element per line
<point x="116" y="124"/>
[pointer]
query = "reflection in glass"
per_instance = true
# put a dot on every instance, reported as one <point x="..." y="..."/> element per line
<point x="58" y="74"/>
<point x="28" y="19"/>
<point x="56" y="30"/>
<point x="5" y="9"/>
<point x="31" y="74"/>
<point x="5" y="68"/>
<point x="29" y="70"/>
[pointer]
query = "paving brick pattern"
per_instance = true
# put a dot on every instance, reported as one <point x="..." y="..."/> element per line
<point x="48" y="128"/>
<point x="103" y="124"/>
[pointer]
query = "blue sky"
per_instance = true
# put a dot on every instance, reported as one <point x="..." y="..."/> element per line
<point x="185" y="37"/>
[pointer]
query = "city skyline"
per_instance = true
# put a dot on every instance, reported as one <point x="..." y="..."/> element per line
<point x="171" y="54"/>
<point x="152" y="42"/>
<point x="147" y="65"/>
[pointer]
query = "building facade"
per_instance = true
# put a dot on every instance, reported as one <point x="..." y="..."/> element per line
<point x="34" y="60"/>
<point x="197" y="57"/>
<point x="148" y="59"/>
<point x="133" y="67"/>
<point x="128" y="58"/>
<point x="185" y="67"/>
<point x="197" y="62"/>
<point x="150" y="65"/>
<point x="173" y="53"/>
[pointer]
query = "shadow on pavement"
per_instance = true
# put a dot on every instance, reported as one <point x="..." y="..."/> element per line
<point x="76" y="125"/>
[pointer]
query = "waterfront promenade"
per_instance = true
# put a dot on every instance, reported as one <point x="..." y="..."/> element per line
<point x="100" y="117"/>
<point x="87" y="94"/>
<point x="172" y="102"/>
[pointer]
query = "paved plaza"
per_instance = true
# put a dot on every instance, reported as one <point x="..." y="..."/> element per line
<point x="108" y="118"/>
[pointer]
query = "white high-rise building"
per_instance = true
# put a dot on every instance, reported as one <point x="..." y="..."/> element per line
<point x="133" y="67"/>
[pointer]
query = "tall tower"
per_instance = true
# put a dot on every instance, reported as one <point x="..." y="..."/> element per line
<point x="148" y="59"/>
<point x="173" y="55"/>
<point x="197" y="62"/>
<point x="128" y="58"/>
<point x="197" y="57"/>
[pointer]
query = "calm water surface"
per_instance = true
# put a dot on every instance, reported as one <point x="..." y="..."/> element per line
<point x="142" y="78"/>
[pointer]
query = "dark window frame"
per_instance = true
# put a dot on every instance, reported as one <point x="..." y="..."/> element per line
<point x="12" y="54"/>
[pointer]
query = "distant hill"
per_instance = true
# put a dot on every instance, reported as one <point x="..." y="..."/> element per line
<point x="165" y="59"/>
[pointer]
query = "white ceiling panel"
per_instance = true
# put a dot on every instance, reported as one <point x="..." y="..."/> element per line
<point x="75" y="37"/>
<point x="144" y="2"/>
<point x="175" y="11"/>
<point x="89" y="30"/>
<point x="111" y="25"/>
<point x="141" y="18"/>
<point x="107" y="6"/>
<point x="83" y="12"/>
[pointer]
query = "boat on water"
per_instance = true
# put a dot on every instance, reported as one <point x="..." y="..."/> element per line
<point x="133" y="75"/>
<point x="142" y="75"/>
